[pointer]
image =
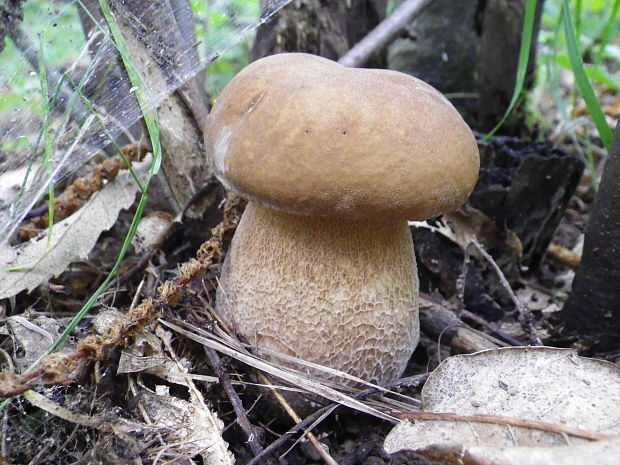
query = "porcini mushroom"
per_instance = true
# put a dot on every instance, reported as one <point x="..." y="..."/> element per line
<point x="333" y="161"/>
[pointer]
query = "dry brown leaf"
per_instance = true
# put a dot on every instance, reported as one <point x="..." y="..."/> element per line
<point x="72" y="239"/>
<point x="191" y="427"/>
<point x="600" y="453"/>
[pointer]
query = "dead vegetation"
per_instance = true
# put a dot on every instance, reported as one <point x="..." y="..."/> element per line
<point x="153" y="375"/>
<point x="126" y="385"/>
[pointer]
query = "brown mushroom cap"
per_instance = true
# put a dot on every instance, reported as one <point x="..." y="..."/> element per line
<point x="305" y="135"/>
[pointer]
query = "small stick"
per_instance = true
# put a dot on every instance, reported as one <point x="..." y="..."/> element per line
<point x="525" y="316"/>
<point x="491" y="328"/>
<point x="242" y="417"/>
<point x="381" y="35"/>
<point x="498" y="420"/>
<point x="328" y="459"/>
<point x="414" y="381"/>
<point x="462" y="281"/>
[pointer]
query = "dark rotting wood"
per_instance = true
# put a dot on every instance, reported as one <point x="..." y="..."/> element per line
<point x="593" y="309"/>
<point x="526" y="187"/>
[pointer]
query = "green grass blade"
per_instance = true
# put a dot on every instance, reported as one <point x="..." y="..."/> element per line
<point x="142" y="93"/>
<point x="524" y="56"/>
<point x="89" y="106"/>
<point x="607" y="30"/>
<point x="47" y="137"/>
<point x="581" y="78"/>
<point x="578" y="15"/>
<point x="149" y="114"/>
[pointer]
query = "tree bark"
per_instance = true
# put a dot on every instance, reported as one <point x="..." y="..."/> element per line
<point x="469" y="48"/>
<point x="441" y="47"/>
<point x="502" y="26"/>
<point x="593" y="309"/>
<point x="321" y="27"/>
<point x="163" y="51"/>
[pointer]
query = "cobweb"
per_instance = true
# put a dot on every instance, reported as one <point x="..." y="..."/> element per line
<point x="64" y="97"/>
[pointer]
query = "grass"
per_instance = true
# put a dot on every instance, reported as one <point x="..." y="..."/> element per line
<point x="572" y="59"/>
<point x="524" y="54"/>
<point x="149" y="112"/>
<point x="581" y="77"/>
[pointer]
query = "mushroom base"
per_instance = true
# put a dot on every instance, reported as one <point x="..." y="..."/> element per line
<point x="343" y="294"/>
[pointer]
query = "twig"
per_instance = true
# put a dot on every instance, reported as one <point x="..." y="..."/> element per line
<point x="328" y="459"/>
<point x="311" y="421"/>
<point x="385" y="31"/>
<point x="498" y="420"/>
<point x="301" y="426"/>
<point x="491" y="328"/>
<point x="525" y="316"/>
<point x="414" y="382"/>
<point x="99" y="422"/>
<point x="442" y="324"/>
<point x="242" y="417"/>
<point x="462" y="281"/>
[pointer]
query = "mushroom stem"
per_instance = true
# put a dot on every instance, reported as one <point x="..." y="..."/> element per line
<point x="334" y="292"/>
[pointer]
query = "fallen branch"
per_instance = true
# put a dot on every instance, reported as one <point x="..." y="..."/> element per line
<point x="381" y="35"/>
<point x="444" y="326"/>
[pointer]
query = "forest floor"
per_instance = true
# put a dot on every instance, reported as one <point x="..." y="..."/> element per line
<point x="112" y="399"/>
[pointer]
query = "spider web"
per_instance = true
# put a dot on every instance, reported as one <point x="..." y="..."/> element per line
<point x="64" y="97"/>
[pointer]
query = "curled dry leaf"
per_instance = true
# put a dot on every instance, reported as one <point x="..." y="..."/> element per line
<point x="533" y="384"/>
<point x="190" y="429"/>
<point x="146" y="355"/>
<point x="32" y="263"/>
<point x="33" y="336"/>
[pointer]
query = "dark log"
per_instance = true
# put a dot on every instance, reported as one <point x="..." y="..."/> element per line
<point x="593" y="309"/>
<point x="526" y="188"/>
<point x="522" y="192"/>
<point x="502" y="26"/>
<point x="441" y="46"/>
<point x="320" y="27"/>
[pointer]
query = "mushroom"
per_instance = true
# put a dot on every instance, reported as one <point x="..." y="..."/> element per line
<point x="333" y="161"/>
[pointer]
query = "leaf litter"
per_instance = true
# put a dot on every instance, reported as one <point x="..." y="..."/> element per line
<point x="144" y="355"/>
<point x="533" y="384"/>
